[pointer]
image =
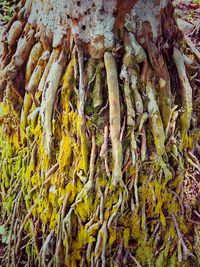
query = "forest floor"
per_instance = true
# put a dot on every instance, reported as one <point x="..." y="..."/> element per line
<point x="188" y="19"/>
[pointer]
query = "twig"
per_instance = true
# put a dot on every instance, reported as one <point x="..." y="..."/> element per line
<point x="12" y="223"/>
<point x="44" y="247"/>
<point x="185" y="249"/>
<point x="192" y="46"/>
<point x="134" y="259"/>
<point x="135" y="186"/>
<point x="123" y="129"/>
<point x="22" y="227"/>
<point x="103" y="108"/>
<point x="180" y="202"/>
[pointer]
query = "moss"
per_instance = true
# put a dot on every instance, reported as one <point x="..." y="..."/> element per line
<point x="65" y="153"/>
<point x="7" y="9"/>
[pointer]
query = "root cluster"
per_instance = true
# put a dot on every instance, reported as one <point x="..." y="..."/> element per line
<point x="99" y="156"/>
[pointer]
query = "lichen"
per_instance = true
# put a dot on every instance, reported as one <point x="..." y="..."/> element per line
<point x="145" y="11"/>
<point x="85" y="19"/>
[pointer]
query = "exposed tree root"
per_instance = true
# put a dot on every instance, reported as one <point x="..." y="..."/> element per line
<point x="115" y="121"/>
<point x="99" y="162"/>
<point x="186" y="93"/>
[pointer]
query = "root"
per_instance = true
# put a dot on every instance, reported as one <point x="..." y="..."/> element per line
<point x="48" y="97"/>
<point x="155" y="119"/>
<point x="158" y="64"/>
<point x="115" y="210"/>
<point x="36" y="75"/>
<point x="34" y="235"/>
<point x="44" y="248"/>
<point x="24" y="46"/>
<point x="104" y="151"/>
<point x="66" y="227"/>
<point x="101" y="244"/>
<point x="12" y="223"/>
<point x="32" y="60"/>
<point x="104" y="148"/>
<point x="134" y="53"/>
<point x="24" y="115"/>
<point x="81" y="82"/>
<point x="115" y="120"/>
<point x="52" y="59"/>
<point x="89" y="255"/>
<point x="169" y="131"/>
<point x="19" y="236"/>
<point x="130" y="111"/>
<point x="14" y="32"/>
<point x="186" y="94"/>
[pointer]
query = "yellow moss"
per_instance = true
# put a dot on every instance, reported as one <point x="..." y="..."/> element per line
<point x="74" y="257"/>
<point x="39" y="209"/>
<point x="65" y="154"/>
<point x="162" y="218"/>
<point x="126" y="237"/>
<point x="76" y="126"/>
<point x="112" y="237"/>
<point x="159" y="206"/>
<point x="184" y="229"/>
<point x="187" y="141"/>
<point x="35" y="179"/>
<point x="71" y="123"/>
<point x="4" y="109"/>
<point x="144" y="253"/>
<point x="71" y="190"/>
<point x="83" y="237"/>
<point x="43" y="217"/>
<point x="53" y="198"/>
<point x="54" y="220"/>
<point x="34" y="212"/>
<point x="134" y="222"/>
<point x="37" y="131"/>
<point x="68" y="81"/>
<point x="61" y="191"/>
<point x="27" y="226"/>
<point x="84" y="208"/>
<point x="29" y="171"/>
<point x="173" y="206"/>
<point x="8" y="204"/>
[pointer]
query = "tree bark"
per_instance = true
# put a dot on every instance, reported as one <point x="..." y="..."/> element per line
<point x="98" y="143"/>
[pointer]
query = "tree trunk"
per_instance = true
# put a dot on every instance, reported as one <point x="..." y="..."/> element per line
<point x="99" y="158"/>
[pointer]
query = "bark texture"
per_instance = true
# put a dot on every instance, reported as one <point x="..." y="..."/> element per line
<point x="98" y="137"/>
